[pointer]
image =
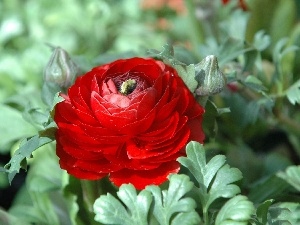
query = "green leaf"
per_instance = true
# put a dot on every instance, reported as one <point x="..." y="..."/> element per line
<point x="209" y="124"/>
<point x="230" y="49"/>
<point x="285" y="213"/>
<point x="70" y="197"/>
<point x="280" y="49"/>
<point x="169" y="206"/>
<point x="45" y="189"/>
<point x="25" y="150"/>
<point x="7" y="219"/>
<point x="44" y="207"/>
<point x="293" y="93"/>
<point x="171" y="202"/>
<point x="49" y="90"/>
<point x="39" y="177"/>
<point x="57" y="98"/>
<point x="132" y="210"/>
<point x="267" y="188"/>
<point x="35" y="116"/>
<point x="187" y="218"/>
<point x="292" y="176"/>
<point x="261" y="40"/>
<point x="167" y="55"/>
<point x="251" y="112"/>
<point x="215" y="178"/>
<point x="254" y="83"/>
<point x="12" y="126"/>
<point x="237" y="210"/>
<point x="187" y="74"/>
<point x="262" y="211"/>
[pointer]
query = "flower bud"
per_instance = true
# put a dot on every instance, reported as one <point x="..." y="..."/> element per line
<point x="210" y="79"/>
<point x="61" y="69"/>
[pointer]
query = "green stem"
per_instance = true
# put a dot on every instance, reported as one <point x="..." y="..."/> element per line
<point x="90" y="191"/>
<point x="205" y="216"/>
<point x="202" y="100"/>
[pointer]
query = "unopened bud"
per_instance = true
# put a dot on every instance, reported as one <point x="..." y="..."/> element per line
<point x="210" y="79"/>
<point x="61" y="69"/>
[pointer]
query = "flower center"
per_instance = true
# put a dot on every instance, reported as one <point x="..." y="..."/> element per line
<point x="128" y="86"/>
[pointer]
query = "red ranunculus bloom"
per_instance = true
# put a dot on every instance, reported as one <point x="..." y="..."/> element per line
<point x="242" y="4"/>
<point x="130" y="119"/>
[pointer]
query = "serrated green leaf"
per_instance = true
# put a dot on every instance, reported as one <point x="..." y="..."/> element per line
<point x="278" y="49"/>
<point x="285" y="213"/>
<point x="222" y="185"/>
<point x="168" y="203"/>
<point x="187" y="73"/>
<point x="261" y="40"/>
<point x="169" y="206"/>
<point x="237" y="210"/>
<point x="231" y="49"/>
<point x="293" y="93"/>
<point x="110" y="210"/>
<point x="141" y="202"/>
<point x="25" y="151"/>
<point x="168" y="51"/>
<point x="262" y="211"/>
<point x="215" y="178"/>
<point x="188" y="218"/>
<point x="167" y="55"/>
<point x="254" y="83"/>
<point x="292" y="176"/>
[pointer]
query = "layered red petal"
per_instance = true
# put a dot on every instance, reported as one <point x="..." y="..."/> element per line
<point x="134" y="136"/>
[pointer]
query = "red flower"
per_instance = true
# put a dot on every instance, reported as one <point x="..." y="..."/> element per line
<point x="130" y="119"/>
<point x="242" y="4"/>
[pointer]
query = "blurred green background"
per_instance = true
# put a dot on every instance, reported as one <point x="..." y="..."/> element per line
<point x="255" y="135"/>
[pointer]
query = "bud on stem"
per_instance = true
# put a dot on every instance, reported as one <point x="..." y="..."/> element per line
<point x="209" y="77"/>
<point x="61" y="69"/>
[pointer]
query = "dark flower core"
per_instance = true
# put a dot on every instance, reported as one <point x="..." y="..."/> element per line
<point x="127" y="87"/>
